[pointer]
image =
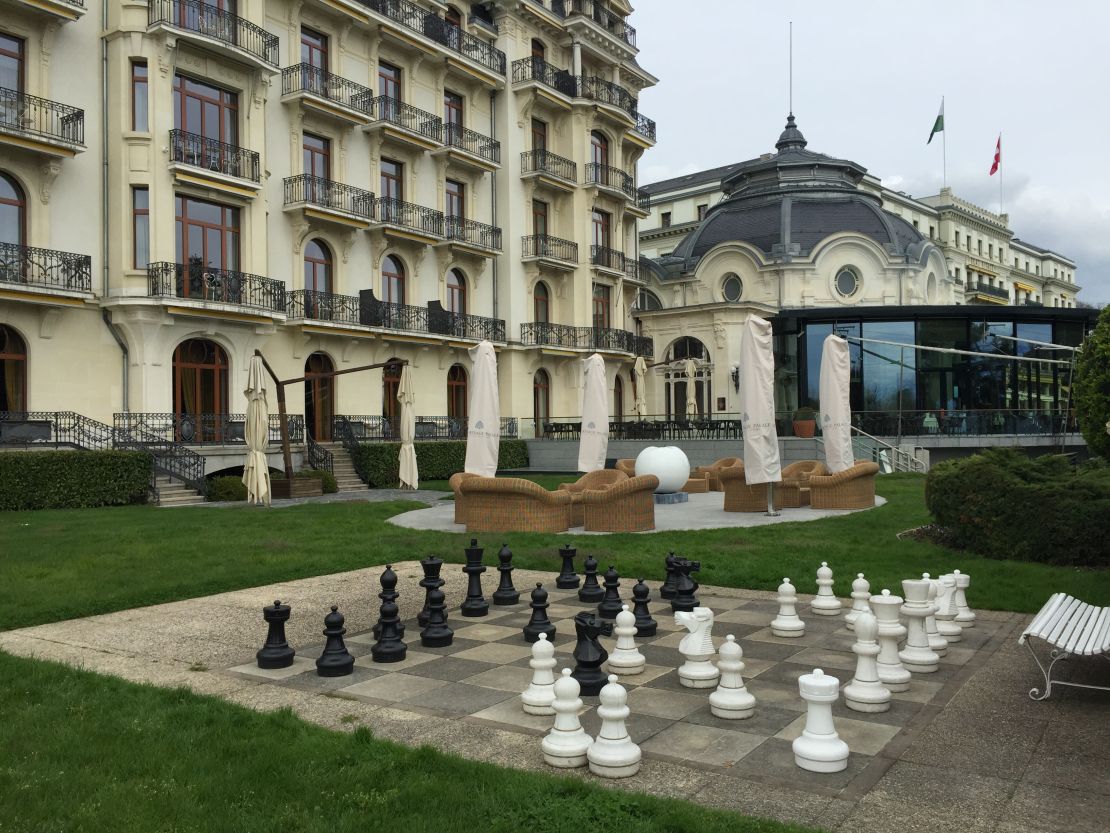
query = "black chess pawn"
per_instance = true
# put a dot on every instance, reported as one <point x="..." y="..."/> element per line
<point x="588" y="653"/>
<point x="567" y="579"/>
<point x="389" y="647"/>
<point x="539" y="623"/>
<point x="685" y="598"/>
<point x="590" y="591"/>
<point x="276" y="653"/>
<point x="335" y="661"/>
<point x="474" y="604"/>
<point x="505" y="594"/>
<point x="669" y="588"/>
<point x="641" y="595"/>
<point x="431" y="581"/>
<point x="388" y="581"/>
<point x="436" y="634"/>
<point x="610" y="605"/>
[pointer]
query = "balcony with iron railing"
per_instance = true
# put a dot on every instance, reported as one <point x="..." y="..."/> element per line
<point x="328" y="93"/>
<point x="216" y="28"/>
<point x="411" y="217"/>
<point x="556" y="7"/>
<point x="390" y="315"/>
<point x="60" y="10"/>
<point x="482" y="149"/>
<point x="322" y="306"/>
<point x="203" y="428"/>
<point x="606" y="176"/>
<point x="544" y="334"/>
<point x="536" y="162"/>
<point x="645" y="127"/>
<point x="53" y="128"/>
<point x="435" y="28"/>
<point x="346" y="200"/>
<point x="463" y="325"/>
<point x="605" y="258"/>
<point x="419" y="125"/>
<point x="213" y="156"/>
<point x="545" y="247"/>
<point x="195" y="281"/>
<point x="539" y="71"/>
<point x="606" y="92"/>
<point x="45" y="269"/>
<point x="606" y="19"/>
<point x="990" y="292"/>
<point x="373" y="428"/>
<point x="472" y="233"/>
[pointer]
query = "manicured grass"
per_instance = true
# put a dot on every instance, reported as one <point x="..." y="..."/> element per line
<point x="64" y="564"/>
<point x="89" y="753"/>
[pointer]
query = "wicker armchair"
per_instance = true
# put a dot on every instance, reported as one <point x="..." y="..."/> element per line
<point x="627" y="466"/>
<point x="794" y="492"/>
<point x="627" y="506"/>
<point x="510" y="504"/>
<point x="600" y="479"/>
<point x="739" y="496"/>
<point x="454" y="481"/>
<point x="712" y="471"/>
<point x="853" y="488"/>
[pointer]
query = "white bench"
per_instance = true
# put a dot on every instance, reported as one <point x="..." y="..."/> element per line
<point x="1072" y="628"/>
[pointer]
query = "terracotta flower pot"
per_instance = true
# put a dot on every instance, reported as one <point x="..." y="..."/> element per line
<point x="805" y="428"/>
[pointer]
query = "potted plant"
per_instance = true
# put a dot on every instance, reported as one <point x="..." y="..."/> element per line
<point x="805" y="421"/>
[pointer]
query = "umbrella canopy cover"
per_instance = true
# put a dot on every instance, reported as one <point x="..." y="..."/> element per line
<point x="691" y="371"/>
<point x="640" y="370"/>
<point x="836" y="408"/>
<point x="594" y="437"/>
<point x="757" y="403"/>
<point x="256" y="470"/>
<point x="406" y="396"/>
<point x="483" y="430"/>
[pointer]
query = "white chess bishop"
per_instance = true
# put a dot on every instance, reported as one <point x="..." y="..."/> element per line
<point x="788" y="623"/>
<point x="566" y="745"/>
<point x="731" y="700"/>
<point x="613" y="754"/>
<point x="540" y="694"/>
<point x="819" y="748"/>
<point x="825" y="603"/>
<point x="861" y="594"/>
<point x="697" y="647"/>
<point x="626" y="659"/>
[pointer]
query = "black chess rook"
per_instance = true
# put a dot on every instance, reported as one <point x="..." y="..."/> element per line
<point x="567" y="579"/>
<point x="505" y="594"/>
<point x="335" y="661"/>
<point x="474" y="604"/>
<point x="275" y="653"/>
<point x="432" y="580"/>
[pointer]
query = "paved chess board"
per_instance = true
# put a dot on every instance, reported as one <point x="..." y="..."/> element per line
<point x="480" y="676"/>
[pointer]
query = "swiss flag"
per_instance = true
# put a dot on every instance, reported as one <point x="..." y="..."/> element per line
<point x="997" y="155"/>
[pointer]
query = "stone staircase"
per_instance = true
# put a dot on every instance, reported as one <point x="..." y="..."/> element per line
<point x="344" y="470"/>
<point x="175" y="493"/>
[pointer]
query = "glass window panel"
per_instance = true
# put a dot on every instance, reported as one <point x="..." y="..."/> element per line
<point x="815" y="343"/>
<point x="889" y="372"/>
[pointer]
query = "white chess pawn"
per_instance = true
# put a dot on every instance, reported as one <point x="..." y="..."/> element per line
<point x="937" y="642"/>
<point x="697" y="648"/>
<point x="540" y="694"/>
<point x="819" y="748"/>
<point x="613" y="754"/>
<point x="731" y="700"/>
<point x="865" y="693"/>
<point x="825" y="603"/>
<point x="891" y="672"/>
<point x="861" y="592"/>
<point x="626" y="658"/>
<point x="964" y="615"/>
<point x="787" y="624"/>
<point x="946" y="610"/>
<point x="567" y="743"/>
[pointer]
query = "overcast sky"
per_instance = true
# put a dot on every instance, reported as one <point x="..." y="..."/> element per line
<point x="868" y="79"/>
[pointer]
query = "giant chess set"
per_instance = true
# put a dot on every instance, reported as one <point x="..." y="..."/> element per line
<point x="594" y="673"/>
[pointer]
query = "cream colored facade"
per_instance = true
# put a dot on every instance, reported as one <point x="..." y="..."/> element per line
<point x="104" y="341"/>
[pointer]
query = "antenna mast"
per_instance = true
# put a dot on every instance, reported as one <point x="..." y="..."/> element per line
<point x="790" y="87"/>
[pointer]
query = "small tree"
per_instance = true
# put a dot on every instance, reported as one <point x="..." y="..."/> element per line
<point x="1091" y="396"/>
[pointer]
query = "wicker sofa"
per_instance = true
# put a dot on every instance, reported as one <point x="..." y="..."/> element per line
<point x="627" y="466"/>
<point x="627" y="506"/>
<point x="853" y="488"/>
<point x="711" y="472"/>
<point x="454" y="482"/>
<point x="600" y="479"/>
<point x="510" y="504"/>
<point x="794" y="492"/>
<point x="739" y="496"/>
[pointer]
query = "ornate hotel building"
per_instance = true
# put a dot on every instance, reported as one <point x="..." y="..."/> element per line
<point x="333" y="182"/>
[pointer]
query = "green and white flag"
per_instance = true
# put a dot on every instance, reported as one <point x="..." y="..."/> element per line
<point x="938" y="125"/>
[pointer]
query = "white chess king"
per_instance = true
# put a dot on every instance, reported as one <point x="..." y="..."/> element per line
<point x="697" y="647"/>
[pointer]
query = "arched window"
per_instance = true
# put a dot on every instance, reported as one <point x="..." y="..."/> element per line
<point x="646" y="300"/>
<point x="618" y="400"/>
<point x="539" y="51"/>
<point x="456" y="392"/>
<point x="391" y="381"/>
<point x="200" y="374"/>
<point x="453" y="16"/>
<point x="679" y="389"/>
<point x="456" y="292"/>
<point x="541" y="399"/>
<point x="13" y="212"/>
<point x="541" y="301"/>
<point x="599" y="148"/>
<point x="13" y="371"/>
<point x="687" y="347"/>
<point x="319" y="396"/>
<point x="317" y="267"/>
<point x="393" y="280"/>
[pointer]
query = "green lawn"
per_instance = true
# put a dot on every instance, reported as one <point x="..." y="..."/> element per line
<point x="85" y="753"/>
<point x="64" y="564"/>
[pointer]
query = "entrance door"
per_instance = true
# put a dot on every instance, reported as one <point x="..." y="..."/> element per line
<point x="391" y="408"/>
<point x="319" y="397"/>
<point x="199" y="391"/>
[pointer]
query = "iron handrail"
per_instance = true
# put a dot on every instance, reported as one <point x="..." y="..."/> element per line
<point x="317" y="456"/>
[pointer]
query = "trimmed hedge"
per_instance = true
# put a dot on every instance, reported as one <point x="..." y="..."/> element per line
<point x="226" y="489"/>
<point x="330" y="486"/>
<point x="377" y="463"/>
<point x="73" y="479"/>
<point x="1091" y="390"/>
<point x="1003" y="504"/>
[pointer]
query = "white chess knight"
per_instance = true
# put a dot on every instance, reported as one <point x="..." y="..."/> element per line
<point x="891" y="672"/>
<point x="613" y="754"/>
<point x="731" y="700"/>
<point x="626" y="659"/>
<point x="567" y="743"/>
<point x="865" y="693"/>
<point x="937" y="642"/>
<point x="540" y="694"/>
<point x="917" y="655"/>
<point x="965" y="617"/>
<point x="787" y="623"/>
<point x="946" y="610"/>
<point x="697" y="647"/>
<point x="861" y="593"/>
<point x="819" y="748"/>
<point x="825" y="603"/>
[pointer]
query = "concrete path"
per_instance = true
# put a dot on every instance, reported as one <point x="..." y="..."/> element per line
<point x="428" y="496"/>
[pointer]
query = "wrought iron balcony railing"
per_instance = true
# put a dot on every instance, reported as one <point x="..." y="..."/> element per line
<point x="476" y="234"/>
<point x="207" y="283"/>
<point x="645" y="126"/>
<point x="992" y="291"/>
<point x="322" y="306"/>
<point x="540" y="71"/>
<point x="643" y="199"/>
<point x="213" y="155"/>
<point x="375" y="313"/>
<point x="556" y="7"/>
<point x="309" y="79"/>
<point x="632" y="268"/>
<point x="372" y="428"/>
<point x="457" y="136"/>
<point x="202" y="429"/>
<point x="45" y="267"/>
<point x="584" y="338"/>
<point x="435" y="28"/>
<point x="643" y="346"/>
<point x="610" y="177"/>
<point x="606" y="92"/>
<point x="607" y="258"/>
<point x="34" y="116"/>
<point x="213" y="22"/>
<point x="411" y="118"/>
<point x="603" y="17"/>
<point x="463" y="325"/>
<point x="542" y="245"/>
<point x="546" y="162"/>
<point x="327" y="194"/>
<point x="407" y="215"/>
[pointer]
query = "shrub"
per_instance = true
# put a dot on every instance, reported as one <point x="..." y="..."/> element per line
<point x="1003" y="504"/>
<point x="330" y="486"/>
<point x="73" y="479"/>
<point x="377" y="463"/>
<point x="1091" y="398"/>
<point x="228" y="488"/>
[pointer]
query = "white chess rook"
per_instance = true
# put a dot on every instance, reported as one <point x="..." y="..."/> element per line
<point x="891" y="672"/>
<point x="825" y="603"/>
<point x="937" y="642"/>
<point x="865" y="693"/>
<point x="613" y="754"/>
<point x="731" y="700"/>
<point x="964" y="615"/>
<point x="697" y="647"/>
<point x="788" y="624"/>
<point x="946" y="610"/>
<point x="819" y="748"/>
<point x="861" y="592"/>
<point x="626" y="659"/>
<point x="540" y="694"/>
<point x="567" y="743"/>
<point x="917" y="655"/>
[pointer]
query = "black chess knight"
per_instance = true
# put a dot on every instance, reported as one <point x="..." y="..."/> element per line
<point x="685" y="585"/>
<point x="588" y="653"/>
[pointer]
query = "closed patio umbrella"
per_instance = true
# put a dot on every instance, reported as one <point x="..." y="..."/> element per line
<point x="757" y="403"/>
<point x="691" y="390"/>
<point x="594" y="437"/>
<point x="640" y="369"/>
<point x="406" y="395"/>
<point x="256" y="471"/>
<point x="483" y="429"/>
<point x="836" y="408"/>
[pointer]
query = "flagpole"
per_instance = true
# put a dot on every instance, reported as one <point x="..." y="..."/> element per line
<point x="1000" y="174"/>
<point x="944" y="152"/>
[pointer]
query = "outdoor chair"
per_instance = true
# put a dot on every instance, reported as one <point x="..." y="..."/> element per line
<point x="627" y="506"/>
<point x="697" y="484"/>
<point x="794" y="492"/>
<point x="713" y="470"/>
<point x="739" y="496"/>
<point x="626" y="465"/>
<point x="600" y="479"/>
<point x="853" y="488"/>
<point x="511" y="504"/>
<point x="455" y="482"/>
<point x="1071" y="628"/>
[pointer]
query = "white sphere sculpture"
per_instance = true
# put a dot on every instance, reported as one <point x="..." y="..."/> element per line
<point x="669" y="463"/>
